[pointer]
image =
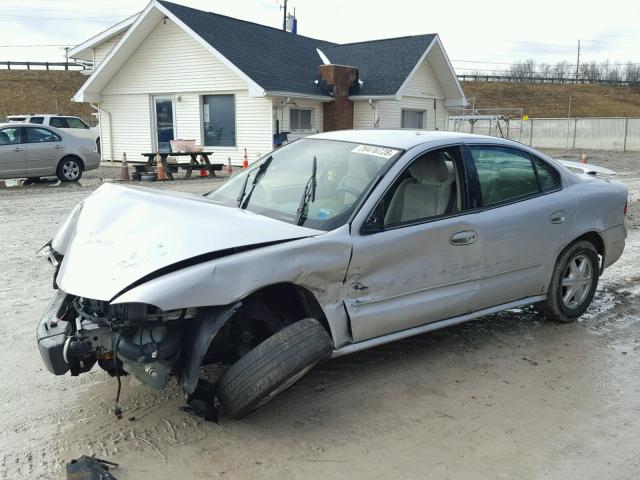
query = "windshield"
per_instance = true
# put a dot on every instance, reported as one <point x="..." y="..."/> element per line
<point x="311" y="182"/>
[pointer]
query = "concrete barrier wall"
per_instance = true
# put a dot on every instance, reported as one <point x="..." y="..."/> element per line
<point x="619" y="134"/>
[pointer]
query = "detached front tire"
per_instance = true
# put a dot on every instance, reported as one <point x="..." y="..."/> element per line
<point x="272" y="367"/>
<point x="573" y="283"/>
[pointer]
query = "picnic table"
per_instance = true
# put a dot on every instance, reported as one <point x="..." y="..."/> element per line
<point x="192" y="165"/>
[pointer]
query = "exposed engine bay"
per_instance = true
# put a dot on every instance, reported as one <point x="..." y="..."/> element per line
<point x="133" y="339"/>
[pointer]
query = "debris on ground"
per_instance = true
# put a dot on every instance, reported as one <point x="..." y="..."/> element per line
<point x="89" y="468"/>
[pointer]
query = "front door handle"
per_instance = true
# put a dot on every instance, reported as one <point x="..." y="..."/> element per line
<point x="18" y="149"/>
<point x="59" y="147"/>
<point x="466" y="237"/>
<point x="558" y="217"/>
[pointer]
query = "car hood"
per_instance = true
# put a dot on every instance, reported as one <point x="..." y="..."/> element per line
<point x="120" y="236"/>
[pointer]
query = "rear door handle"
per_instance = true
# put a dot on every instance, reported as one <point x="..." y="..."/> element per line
<point x="558" y="217"/>
<point x="18" y="149"/>
<point x="59" y="147"/>
<point x="466" y="237"/>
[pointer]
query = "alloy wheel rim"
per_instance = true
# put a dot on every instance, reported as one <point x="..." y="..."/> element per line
<point x="576" y="281"/>
<point x="70" y="170"/>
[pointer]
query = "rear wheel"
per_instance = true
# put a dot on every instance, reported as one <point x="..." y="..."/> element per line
<point x="573" y="283"/>
<point x="69" y="169"/>
<point x="272" y="367"/>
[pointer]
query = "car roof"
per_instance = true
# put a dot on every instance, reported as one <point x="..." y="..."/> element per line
<point x="399" y="138"/>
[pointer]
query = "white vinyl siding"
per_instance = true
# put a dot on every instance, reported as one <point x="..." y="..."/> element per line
<point x="132" y="134"/>
<point x="390" y="113"/>
<point x="253" y="126"/>
<point x="130" y="126"/>
<point x="102" y="50"/>
<point x="362" y="115"/>
<point x="422" y="92"/>
<point x="423" y="83"/>
<point x="170" y="60"/>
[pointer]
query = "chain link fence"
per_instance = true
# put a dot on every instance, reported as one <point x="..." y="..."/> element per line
<point x="618" y="134"/>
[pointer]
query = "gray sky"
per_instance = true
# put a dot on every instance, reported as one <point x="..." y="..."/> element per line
<point x="489" y="31"/>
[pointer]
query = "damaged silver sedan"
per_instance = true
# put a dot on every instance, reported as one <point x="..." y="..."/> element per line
<point x="332" y="244"/>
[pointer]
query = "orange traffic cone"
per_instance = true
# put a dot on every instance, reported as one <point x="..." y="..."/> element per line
<point x="124" y="170"/>
<point x="162" y="175"/>
<point x="228" y="169"/>
<point x="204" y="172"/>
<point x="583" y="159"/>
<point x="245" y="162"/>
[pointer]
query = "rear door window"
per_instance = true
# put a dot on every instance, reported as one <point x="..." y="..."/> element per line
<point x="38" y="135"/>
<point x="58" y="122"/>
<point x="74" y="122"/>
<point x="505" y="174"/>
<point x="10" y="136"/>
<point x="548" y="176"/>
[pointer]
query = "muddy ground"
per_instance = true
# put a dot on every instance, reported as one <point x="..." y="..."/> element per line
<point x="508" y="396"/>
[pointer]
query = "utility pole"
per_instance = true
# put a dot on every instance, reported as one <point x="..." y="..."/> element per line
<point x="577" y="62"/>
<point x="284" y="18"/>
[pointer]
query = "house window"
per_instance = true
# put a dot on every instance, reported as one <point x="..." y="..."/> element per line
<point x="219" y="120"/>
<point x="413" y="119"/>
<point x="301" y="119"/>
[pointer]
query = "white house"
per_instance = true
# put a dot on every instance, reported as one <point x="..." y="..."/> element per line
<point x="176" y="72"/>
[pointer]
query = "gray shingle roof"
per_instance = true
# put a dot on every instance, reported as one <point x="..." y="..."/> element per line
<point x="383" y="64"/>
<point x="286" y="62"/>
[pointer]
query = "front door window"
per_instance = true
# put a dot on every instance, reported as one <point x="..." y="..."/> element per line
<point x="163" y="128"/>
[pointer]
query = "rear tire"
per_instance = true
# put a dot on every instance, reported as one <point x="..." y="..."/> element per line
<point x="272" y="367"/>
<point x="573" y="283"/>
<point x="69" y="169"/>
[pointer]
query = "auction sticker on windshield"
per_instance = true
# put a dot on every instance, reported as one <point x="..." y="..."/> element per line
<point x="383" y="152"/>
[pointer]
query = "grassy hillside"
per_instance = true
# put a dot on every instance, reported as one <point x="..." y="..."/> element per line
<point x="41" y="91"/>
<point x="552" y="100"/>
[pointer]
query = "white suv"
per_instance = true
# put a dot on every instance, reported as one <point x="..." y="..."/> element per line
<point x="72" y="125"/>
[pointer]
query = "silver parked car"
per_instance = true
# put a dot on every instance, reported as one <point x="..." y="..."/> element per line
<point x="332" y="244"/>
<point x="35" y="151"/>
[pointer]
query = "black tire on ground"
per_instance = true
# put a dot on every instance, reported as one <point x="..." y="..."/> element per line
<point x="69" y="169"/>
<point x="577" y="267"/>
<point x="271" y="367"/>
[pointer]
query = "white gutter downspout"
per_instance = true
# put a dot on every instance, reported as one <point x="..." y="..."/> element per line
<point x="101" y="110"/>
<point x="372" y="104"/>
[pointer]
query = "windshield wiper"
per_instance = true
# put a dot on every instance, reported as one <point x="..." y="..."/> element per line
<point x="259" y="174"/>
<point x="309" y="194"/>
<point x="242" y="190"/>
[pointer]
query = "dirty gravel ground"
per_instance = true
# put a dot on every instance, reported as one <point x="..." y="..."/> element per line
<point x="508" y="396"/>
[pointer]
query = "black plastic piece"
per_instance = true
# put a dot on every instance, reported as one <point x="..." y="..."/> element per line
<point x="89" y="468"/>
<point x="196" y="341"/>
<point x="52" y="334"/>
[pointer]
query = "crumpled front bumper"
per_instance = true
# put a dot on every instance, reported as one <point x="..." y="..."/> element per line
<point x="52" y="334"/>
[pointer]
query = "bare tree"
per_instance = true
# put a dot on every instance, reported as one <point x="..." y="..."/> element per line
<point x="544" y="70"/>
<point x="591" y="71"/>
<point x="631" y="72"/>
<point x="561" y="70"/>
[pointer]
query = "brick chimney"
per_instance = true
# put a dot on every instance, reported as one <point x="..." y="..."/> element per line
<point x="340" y="81"/>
